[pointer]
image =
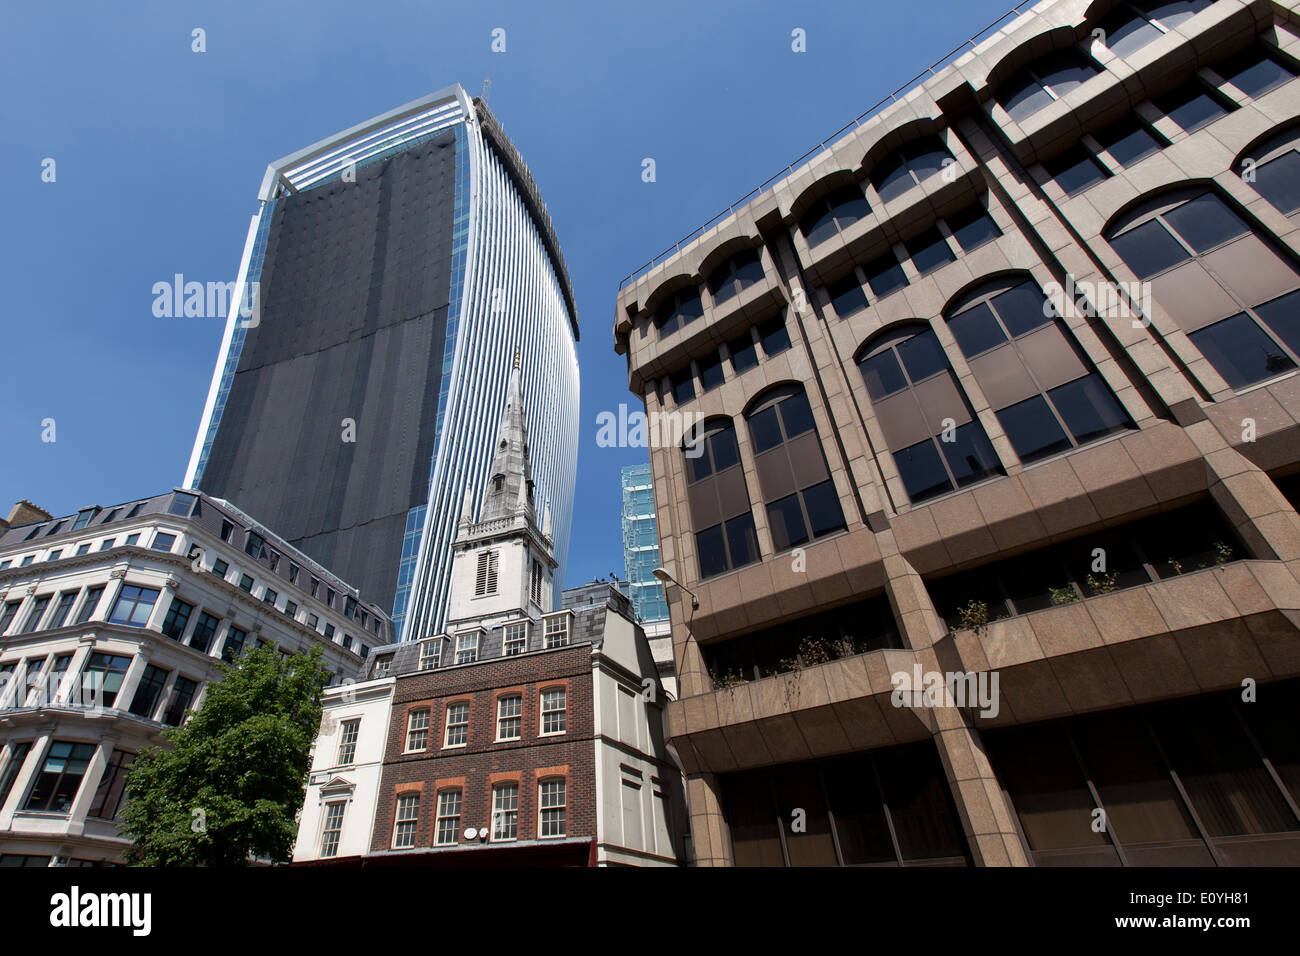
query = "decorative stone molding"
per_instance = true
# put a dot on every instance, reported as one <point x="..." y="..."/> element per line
<point x="117" y="573"/>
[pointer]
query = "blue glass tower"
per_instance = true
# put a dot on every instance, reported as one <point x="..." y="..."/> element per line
<point x="399" y="266"/>
<point x="641" y="544"/>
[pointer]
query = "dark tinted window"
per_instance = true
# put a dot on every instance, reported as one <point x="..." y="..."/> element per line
<point x="1254" y="71"/>
<point x="922" y="356"/>
<point x="885" y="275"/>
<point x="929" y="251"/>
<point x="970" y="455"/>
<point x="1023" y="308"/>
<point x="1240" y="351"/>
<point x="744" y="354"/>
<point x="972" y="227"/>
<point x="1205" y="222"/>
<point x="683" y="385"/>
<point x="883" y="374"/>
<point x="1088" y="408"/>
<point x="1128" y="141"/>
<point x="1149" y="249"/>
<point x="1032" y="429"/>
<point x="1278" y="181"/>
<point x="773" y="336"/>
<point x="1190" y="106"/>
<point x="847" y="296"/>
<point x="1283" y="317"/>
<point x="1075" y="170"/>
<point x="711" y="375"/>
<point x="976" y="330"/>
<point x="921" y="470"/>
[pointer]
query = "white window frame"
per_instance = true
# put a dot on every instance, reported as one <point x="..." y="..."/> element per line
<point x="353" y="724"/>
<point x="562" y="806"/>
<point x="412" y="729"/>
<point x="326" y="830"/>
<point x="557" y="624"/>
<point x="563" y="711"/>
<point x="399" y="821"/>
<point x="518" y="716"/>
<point x="514" y="627"/>
<point x="442" y="816"/>
<point x="430" y="653"/>
<point x="500" y="814"/>
<point x="463" y="648"/>
<point x="448" y="725"/>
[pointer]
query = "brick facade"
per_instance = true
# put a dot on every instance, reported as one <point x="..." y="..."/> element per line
<point x="483" y="761"/>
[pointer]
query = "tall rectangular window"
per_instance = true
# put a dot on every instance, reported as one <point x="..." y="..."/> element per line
<point x="205" y="629"/>
<point x="485" y="577"/>
<point x="183" y="692"/>
<point x="348" y="742"/>
<point x="557" y="631"/>
<point x="60" y="777"/>
<point x="149" y="690"/>
<point x="133" y="606"/>
<point x="417" y="730"/>
<point x="33" y="619"/>
<point x="102" y="679"/>
<point x="554" y="704"/>
<point x="429" y="651"/>
<point x="63" y="609"/>
<point x="17" y="756"/>
<point x="332" y="831"/>
<point x="90" y="605"/>
<point x="234" y="645"/>
<point x="510" y="720"/>
<point x="111" y="792"/>
<point x="552" y="795"/>
<point x="505" y="811"/>
<point x="457" y="734"/>
<point x="7" y="615"/>
<point x="448" y="817"/>
<point x="515" y="639"/>
<point x="408" y="815"/>
<point x="467" y="647"/>
<point x="178" y="616"/>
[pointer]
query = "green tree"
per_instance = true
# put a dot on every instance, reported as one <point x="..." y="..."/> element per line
<point x="231" y="782"/>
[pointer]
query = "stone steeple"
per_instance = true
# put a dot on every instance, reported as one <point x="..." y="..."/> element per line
<point x="504" y="560"/>
<point x="509" y="489"/>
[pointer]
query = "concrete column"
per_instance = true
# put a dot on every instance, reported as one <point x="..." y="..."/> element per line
<point x="987" y="816"/>
<point x="131" y="679"/>
<point x="710" y="837"/>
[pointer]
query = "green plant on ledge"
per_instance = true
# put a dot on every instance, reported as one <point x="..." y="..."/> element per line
<point x="1222" y="552"/>
<point x="786" y="664"/>
<point x="974" y="614"/>
<point x="728" y="680"/>
<point x="1065" y="595"/>
<point x="817" y="650"/>
<point x="1103" y="583"/>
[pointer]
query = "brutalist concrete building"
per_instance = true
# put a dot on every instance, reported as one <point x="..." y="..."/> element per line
<point x="993" y="535"/>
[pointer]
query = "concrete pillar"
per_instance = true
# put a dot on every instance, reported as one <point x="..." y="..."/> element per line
<point x="710" y="838"/>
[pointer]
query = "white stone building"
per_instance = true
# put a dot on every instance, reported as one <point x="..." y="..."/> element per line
<point x="112" y="623"/>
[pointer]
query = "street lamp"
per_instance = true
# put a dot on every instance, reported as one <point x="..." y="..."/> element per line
<point x="666" y="578"/>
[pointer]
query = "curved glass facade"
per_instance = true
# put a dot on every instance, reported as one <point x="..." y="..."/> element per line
<point x="401" y="265"/>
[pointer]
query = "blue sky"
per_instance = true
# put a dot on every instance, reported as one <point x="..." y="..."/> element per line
<point x="160" y="152"/>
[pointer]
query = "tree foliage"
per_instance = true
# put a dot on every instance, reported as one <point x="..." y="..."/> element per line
<point x="230" y="784"/>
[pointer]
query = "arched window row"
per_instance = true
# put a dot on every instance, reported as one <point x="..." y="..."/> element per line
<point x="708" y="371"/>
<point x="794" y="482"/>
<point x="1237" y="299"/>
<point x="960" y="233"/>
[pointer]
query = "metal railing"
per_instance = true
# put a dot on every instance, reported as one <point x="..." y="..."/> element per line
<point x="835" y="137"/>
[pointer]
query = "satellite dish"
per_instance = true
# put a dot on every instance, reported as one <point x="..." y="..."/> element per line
<point x="470" y="833"/>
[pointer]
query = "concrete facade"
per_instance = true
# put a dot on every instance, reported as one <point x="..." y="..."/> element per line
<point x="1182" y="433"/>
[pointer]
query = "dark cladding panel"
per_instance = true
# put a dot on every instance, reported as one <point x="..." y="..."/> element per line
<point x="354" y="299"/>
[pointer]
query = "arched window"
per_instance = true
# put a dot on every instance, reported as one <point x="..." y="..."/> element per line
<point x="737" y="273"/>
<point x="833" y="214"/>
<point x="1042" y="388"/>
<point x="796" y="484"/>
<point x="1273" y="168"/>
<point x="1134" y="24"/>
<point x="680" y="309"/>
<point x="937" y="442"/>
<point x="1044" y="81"/>
<point x="906" y="167"/>
<point x="719" y="500"/>
<point x="1237" y="299"/>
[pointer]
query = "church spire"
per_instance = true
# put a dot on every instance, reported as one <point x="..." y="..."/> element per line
<point x="510" y="482"/>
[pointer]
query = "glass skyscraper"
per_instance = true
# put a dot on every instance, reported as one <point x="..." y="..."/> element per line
<point x="399" y="266"/>
<point x="641" y="544"/>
